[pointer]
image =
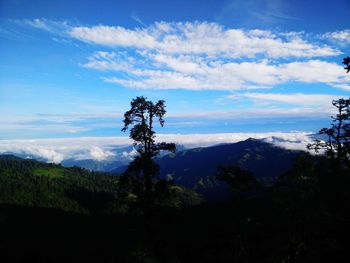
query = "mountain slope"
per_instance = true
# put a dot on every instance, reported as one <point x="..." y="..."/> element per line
<point x="30" y="183"/>
<point x="26" y="182"/>
<point x="195" y="167"/>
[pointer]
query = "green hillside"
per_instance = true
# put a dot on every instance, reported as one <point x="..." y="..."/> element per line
<point x="38" y="184"/>
<point x="30" y="183"/>
<point x="52" y="172"/>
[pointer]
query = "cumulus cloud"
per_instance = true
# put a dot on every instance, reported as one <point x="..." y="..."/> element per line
<point x="99" y="154"/>
<point x="130" y="155"/>
<point x="47" y="153"/>
<point x="104" y="148"/>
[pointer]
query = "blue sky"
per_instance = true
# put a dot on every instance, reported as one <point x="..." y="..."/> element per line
<point x="70" y="68"/>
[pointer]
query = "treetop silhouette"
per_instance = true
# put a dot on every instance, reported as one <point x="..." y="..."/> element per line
<point x="143" y="170"/>
<point x="346" y="62"/>
<point x="335" y="140"/>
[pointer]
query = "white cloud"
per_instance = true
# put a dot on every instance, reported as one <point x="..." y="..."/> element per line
<point x="48" y="152"/>
<point x="322" y="111"/>
<point x="343" y="36"/>
<point x="60" y="28"/>
<point x="198" y="73"/>
<point x="62" y="124"/>
<point x="114" y="36"/>
<point x="203" y="55"/>
<point x="38" y="23"/>
<point x="201" y="38"/>
<point x="294" y="98"/>
<point x="102" y="148"/>
<point x="298" y="140"/>
<point x="313" y="71"/>
<point x="287" y="141"/>
<point x="99" y="154"/>
<point x="342" y="86"/>
<point x="56" y="150"/>
<point x="58" y="123"/>
<point x="199" y="56"/>
<point x="115" y="61"/>
<point x="130" y="155"/>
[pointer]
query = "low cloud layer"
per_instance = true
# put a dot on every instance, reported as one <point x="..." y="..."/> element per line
<point x="57" y="150"/>
<point x="103" y="148"/>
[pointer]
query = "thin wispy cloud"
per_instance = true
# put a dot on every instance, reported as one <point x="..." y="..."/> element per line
<point x="257" y="12"/>
<point x="44" y="125"/>
<point x="60" y="28"/>
<point x="135" y="17"/>
<point x="341" y="37"/>
<point x="306" y="100"/>
<point x="321" y="111"/>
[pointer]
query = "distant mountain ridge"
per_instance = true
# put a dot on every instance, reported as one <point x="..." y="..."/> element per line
<point x="264" y="159"/>
<point x="196" y="168"/>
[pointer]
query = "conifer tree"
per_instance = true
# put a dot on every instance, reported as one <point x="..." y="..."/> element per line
<point x="143" y="170"/>
<point x="335" y="141"/>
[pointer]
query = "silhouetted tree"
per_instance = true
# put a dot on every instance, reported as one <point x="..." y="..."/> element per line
<point x="346" y="62"/>
<point x="335" y="141"/>
<point x="241" y="181"/>
<point x="303" y="169"/>
<point x="143" y="170"/>
<point x="337" y="137"/>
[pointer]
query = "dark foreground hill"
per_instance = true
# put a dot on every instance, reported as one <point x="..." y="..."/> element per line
<point x="299" y="219"/>
<point x="255" y="230"/>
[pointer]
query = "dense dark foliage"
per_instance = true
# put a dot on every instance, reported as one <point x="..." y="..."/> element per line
<point x="242" y="182"/>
